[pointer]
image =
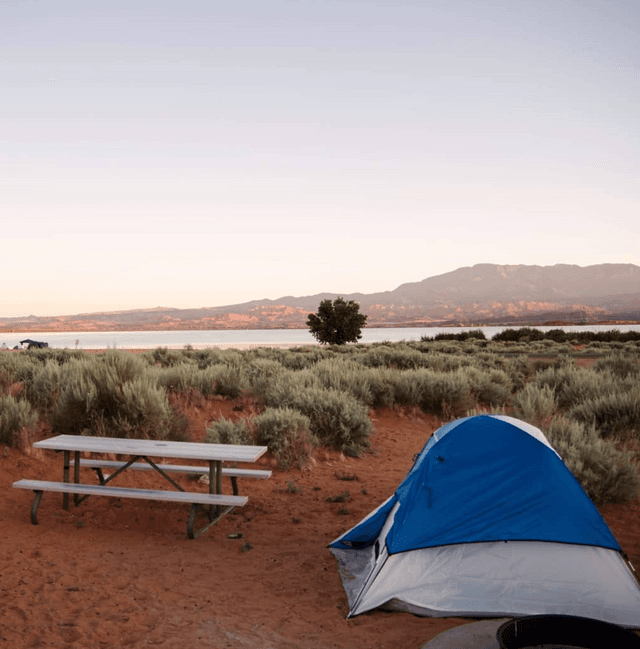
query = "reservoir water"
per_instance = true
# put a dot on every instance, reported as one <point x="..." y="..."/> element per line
<point x="246" y="338"/>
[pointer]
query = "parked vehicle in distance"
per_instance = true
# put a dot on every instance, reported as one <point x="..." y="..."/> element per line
<point x="33" y="344"/>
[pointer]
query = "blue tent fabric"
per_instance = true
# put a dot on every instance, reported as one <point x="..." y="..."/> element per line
<point x="485" y="478"/>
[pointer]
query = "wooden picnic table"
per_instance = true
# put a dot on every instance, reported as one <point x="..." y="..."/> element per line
<point x="141" y="452"/>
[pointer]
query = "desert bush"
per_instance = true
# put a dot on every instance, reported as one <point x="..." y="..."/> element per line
<point x="523" y="334"/>
<point x="408" y="387"/>
<point x="540" y="365"/>
<point x="557" y="335"/>
<point x="401" y="357"/>
<point x="447" y="347"/>
<point x="163" y="357"/>
<point x="277" y="390"/>
<point x="188" y="378"/>
<point x="610" y="336"/>
<point x="486" y="410"/>
<point x="336" y="418"/>
<point x="144" y="407"/>
<point x="440" y="393"/>
<point x="345" y="376"/>
<point x="15" y="416"/>
<point x="382" y="386"/>
<point x="515" y="367"/>
<point x="59" y="356"/>
<point x="535" y="404"/>
<point x="572" y="385"/>
<point x="177" y="378"/>
<point x="43" y="386"/>
<point x="109" y="397"/>
<point x="492" y="387"/>
<point x="297" y="359"/>
<point x="11" y="369"/>
<point x="123" y="366"/>
<point x="618" y="364"/>
<point x="224" y="431"/>
<point x="550" y="348"/>
<point x="606" y="473"/>
<point x="287" y="434"/>
<point x="616" y="414"/>
<point x="228" y="380"/>
<point x="262" y="370"/>
<point x="474" y="334"/>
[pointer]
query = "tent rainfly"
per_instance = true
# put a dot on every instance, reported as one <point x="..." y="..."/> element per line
<point x="489" y="522"/>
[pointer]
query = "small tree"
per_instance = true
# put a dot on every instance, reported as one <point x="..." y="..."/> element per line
<point x="337" y="322"/>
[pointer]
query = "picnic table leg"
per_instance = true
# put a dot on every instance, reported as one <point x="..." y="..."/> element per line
<point x="218" y="485"/>
<point x="76" y="475"/>
<point x="34" y="507"/>
<point x="192" y="532"/>
<point x="65" y="478"/>
<point x="215" y="511"/>
<point x="215" y="485"/>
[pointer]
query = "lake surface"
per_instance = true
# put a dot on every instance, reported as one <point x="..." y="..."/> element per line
<point x="247" y="338"/>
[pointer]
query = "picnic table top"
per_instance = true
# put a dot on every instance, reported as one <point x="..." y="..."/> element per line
<point x="154" y="448"/>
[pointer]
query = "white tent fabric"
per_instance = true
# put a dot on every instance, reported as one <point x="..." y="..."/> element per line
<point x="494" y="579"/>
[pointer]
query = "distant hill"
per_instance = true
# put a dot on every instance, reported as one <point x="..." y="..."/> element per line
<point x="478" y="295"/>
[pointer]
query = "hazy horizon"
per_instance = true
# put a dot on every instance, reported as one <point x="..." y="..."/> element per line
<point x="210" y="154"/>
<point x="165" y="307"/>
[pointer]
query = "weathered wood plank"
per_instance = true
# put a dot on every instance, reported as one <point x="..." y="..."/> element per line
<point x="154" y="448"/>
<point x="179" y="468"/>
<point x="125" y="492"/>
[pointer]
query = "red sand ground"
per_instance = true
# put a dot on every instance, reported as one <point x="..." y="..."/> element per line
<point x="123" y="574"/>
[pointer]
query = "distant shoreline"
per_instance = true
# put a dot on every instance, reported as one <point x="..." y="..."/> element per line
<point x="409" y="325"/>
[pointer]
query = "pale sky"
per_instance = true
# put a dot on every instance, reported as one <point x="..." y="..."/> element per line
<point x="205" y="153"/>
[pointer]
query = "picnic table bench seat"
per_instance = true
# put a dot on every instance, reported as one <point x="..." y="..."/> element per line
<point x="196" y="500"/>
<point x="230" y="472"/>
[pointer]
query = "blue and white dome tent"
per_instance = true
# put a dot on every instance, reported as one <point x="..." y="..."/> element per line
<point x="489" y="522"/>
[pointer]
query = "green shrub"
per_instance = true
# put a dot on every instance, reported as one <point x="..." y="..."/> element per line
<point x="43" y="386"/>
<point x="163" y="357"/>
<point x="558" y="335"/>
<point x="287" y="434"/>
<point x="475" y="334"/>
<point x="11" y="369"/>
<point x="382" y="386"/>
<point x="112" y="396"/>
<point x="616" y="414"/>
<point x="492" y="388"/>
<point x="15" y="416"/>
<point x="606" y="473"/>
<point x="572" y="385"/>
<point x="524" y="334"/>
<point x="487" y="410"/>
<point x="227" y="380"/>
<point x="620" y="365"/>
<point x="124" y="366"/>
<point x="224" y="431"/>
<point x="400" y="357"/>
<point x="178" y="378"/>
<point x="265" y="368"/>
<point x="336" y="418"/>
<point x="441" y="393"/>
<point x="345" y="376"/>
<point x="534" y="404"/>
<point x="296" y="359"/>
<point x="516" y="367"/>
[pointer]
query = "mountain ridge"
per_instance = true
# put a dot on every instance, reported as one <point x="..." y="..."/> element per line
<point x="482" y="294"/>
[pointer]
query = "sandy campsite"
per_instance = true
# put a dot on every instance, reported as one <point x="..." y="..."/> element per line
<point x="114" y="573"/>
